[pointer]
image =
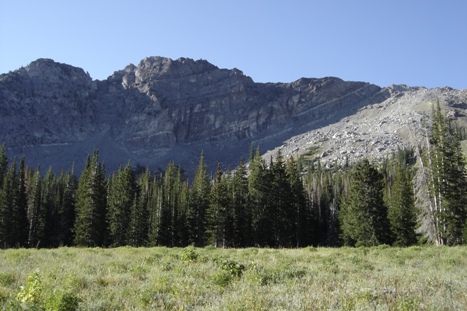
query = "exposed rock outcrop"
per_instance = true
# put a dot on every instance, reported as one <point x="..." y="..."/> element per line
<point x="164" y="109"/>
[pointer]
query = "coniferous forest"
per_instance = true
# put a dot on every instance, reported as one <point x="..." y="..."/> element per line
<point x="415" y="196"/>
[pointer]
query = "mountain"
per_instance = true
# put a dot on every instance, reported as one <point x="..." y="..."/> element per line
<point x="377" y="130"/>
<point x="164" y="109"/>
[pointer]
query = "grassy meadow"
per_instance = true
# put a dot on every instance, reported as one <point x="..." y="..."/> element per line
<point x="379" y="278"/>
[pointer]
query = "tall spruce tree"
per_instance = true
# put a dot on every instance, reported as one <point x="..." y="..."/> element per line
<point x="67" y="185"/>
<point x="259" y="182"/>
<point x="301" y="216"/>
<point x="20" y="211"/>
<point x="182" y="236"/>
<point x="90" y="226"/>
<point x="168" y="206"/>
<point x="121" y="200"/>
<point x="146" y="192"/>
<point x="219" y="228"/>
<point x="324" y="190"/>
<point x="8" y="202"/>
<point x="138" y="228"/>
<point x="49" y="208"/>
<point x="281" y="208"/>
<point x="3" y="164"/>
<point x="240" y="207"/>
<point x="199" y="202"/>
<point x="36" y="214"/>
<point x="4" y="205"/>
<point x="153" y="191"/>
<point x="363" y="214"/>
<point x="441" y="183"/>
<point x="401" y="207"/>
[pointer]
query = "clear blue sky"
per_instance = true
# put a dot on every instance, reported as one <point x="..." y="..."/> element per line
<point x="414" y="42"/>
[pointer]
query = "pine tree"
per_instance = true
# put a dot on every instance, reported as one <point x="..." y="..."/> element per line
<point x="138" y="229"/>
<point x="67" y="185"/>
<point x="199" y="202"/>
<point x="259" y="182"/>
<point x="441" y="182"/>
<point x="20" y="210"/>
<point x="90" y="225"/>
<point x="122" y="197"/>
<point x="168" y="206"/>
<point x="363" y="215"/>
<point x="219" y="228"/>
<point x="401" y="208"/>
<point x="4" y="215"/>
<point x="240" y="207"/>
<point x="281" y="208"/>
<point x="301" y="217"/>
<point x="146" y="190"/>
<point x="153" y="191"/>
<point x="49" y="208"/>
<point x="324" y="190"/>
<point x="8" y="201"/>
<point x="181" y="236"/>
<point x="36" y="214"/>
<point x="3" y="164"/>
<point x="169" y="225"/>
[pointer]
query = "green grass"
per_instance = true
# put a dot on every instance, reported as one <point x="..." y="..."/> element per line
<point x="379" y="278"/>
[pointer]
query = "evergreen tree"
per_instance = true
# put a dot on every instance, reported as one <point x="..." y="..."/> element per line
<point x="90" y="225"/>
<point x="121" y="201"/>
<point x="138" y="235"/>
<point x="281" y="208"/>
<point x="20" y="210"/>
<point x="169" y="225"/>
<point x="153" y="190"/>
<point x="146" y="191"/>
<point x="3" y="164"/>
<point x="240" y="207"/>
<point x="139" y="216"/>
<point x="323" y="192"/>
<point x="401" y="208"/>
<point x="67" y="185"/>
<point x="199" y="202"/>
<point x="8" y="201"/>
<point x="169" y="189"/>
<point x="317" y="222"/>
<point x="259" y="182"/>
<point x="181" y="236"/>
<point x="219" y="227"/>
<point x="36" y="214"/>
<point x="363" y="215"/>
<point x="49" y="208"/>
<point x="301" y="216"/>
<point x="441" y="182"/>
<point x="335" y="187"/>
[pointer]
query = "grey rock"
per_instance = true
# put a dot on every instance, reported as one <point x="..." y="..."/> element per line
<point x="164" y="109"/>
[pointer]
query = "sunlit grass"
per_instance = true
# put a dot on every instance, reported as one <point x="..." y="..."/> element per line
<point x="379" y="278"/>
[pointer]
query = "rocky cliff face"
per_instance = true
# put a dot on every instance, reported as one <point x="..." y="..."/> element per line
<point x="377" y="130"/>
<point x="167" y="109"/>
<point x="46" y="103"/>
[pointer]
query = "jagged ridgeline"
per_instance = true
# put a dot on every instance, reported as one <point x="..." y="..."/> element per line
<point x="164" y="109"/>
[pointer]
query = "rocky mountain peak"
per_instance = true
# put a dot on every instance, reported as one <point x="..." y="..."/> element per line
<point x="158" y="68"/>
<point x="164" y="109"/>
<point x="53" y="72"/>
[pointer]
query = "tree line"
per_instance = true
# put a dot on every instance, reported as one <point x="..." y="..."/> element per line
<point x="416" y="196"/>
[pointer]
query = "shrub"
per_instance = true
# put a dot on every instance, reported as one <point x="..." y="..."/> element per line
<point x="32" y="291"/>
<point x="64" y="302"/>
<point x="222" y="278"/>
<point x="7" y="279"/>
<point x="189" y="254"/>
<point x="232" y="267"/>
